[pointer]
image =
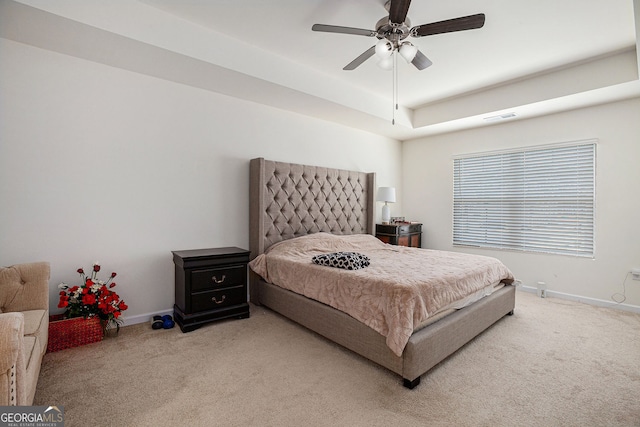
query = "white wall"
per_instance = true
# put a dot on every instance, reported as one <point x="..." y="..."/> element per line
<point x="428" y="179"/>
<point x="98" y="163"/>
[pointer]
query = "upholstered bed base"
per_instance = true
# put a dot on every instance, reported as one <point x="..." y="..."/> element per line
<point x="289" y="200"/>
<point x="426" y="347"/>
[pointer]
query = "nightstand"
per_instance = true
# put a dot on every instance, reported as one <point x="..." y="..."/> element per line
<point x="400" y="234"/>
<point x="210" y="284"/>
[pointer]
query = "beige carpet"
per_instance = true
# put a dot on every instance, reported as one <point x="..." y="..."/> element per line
<point x="554" y="363"/>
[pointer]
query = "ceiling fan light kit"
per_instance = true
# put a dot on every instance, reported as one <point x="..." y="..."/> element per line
<point x="408" y="51"/>
<point x="384" y="49"/>
<point x="392" y="30"/>
<point x="386" y="63"/>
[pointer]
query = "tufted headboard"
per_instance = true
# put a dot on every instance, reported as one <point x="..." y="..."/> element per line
<point x="289" y="200"/>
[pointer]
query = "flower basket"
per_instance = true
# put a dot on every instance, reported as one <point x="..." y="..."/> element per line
<point x="92" y="310"/>
<point x="68" y="333"/>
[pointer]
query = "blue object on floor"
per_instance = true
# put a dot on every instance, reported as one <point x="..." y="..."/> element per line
<point x="167" y="322"/>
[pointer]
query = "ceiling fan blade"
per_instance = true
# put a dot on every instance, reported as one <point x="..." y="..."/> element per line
<point x="450" y="25"/>
<point x="398" y="10"/>
<point x="421" y="61"/>
<point x="360" y="59"/>
<point x="343" y="30"/>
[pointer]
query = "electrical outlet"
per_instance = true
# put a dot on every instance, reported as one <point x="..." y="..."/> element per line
<point x="635" y="273"/>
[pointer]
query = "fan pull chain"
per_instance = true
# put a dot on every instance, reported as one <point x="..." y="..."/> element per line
<point x="394" y="82"/>
<point x="395" y="67"/>
<point x="395" y="87"/>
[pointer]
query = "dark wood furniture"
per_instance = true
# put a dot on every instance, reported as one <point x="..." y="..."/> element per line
<point x="210" y="284"/>
<point x="401" y="234"/>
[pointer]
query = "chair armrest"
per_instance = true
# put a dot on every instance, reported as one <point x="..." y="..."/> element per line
<point x="25" y="287"/>
<point x="12" y="363"/>
<point x="11" y="337"/>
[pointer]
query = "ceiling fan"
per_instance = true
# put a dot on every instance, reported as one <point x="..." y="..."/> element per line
<point x="392" y="31"/>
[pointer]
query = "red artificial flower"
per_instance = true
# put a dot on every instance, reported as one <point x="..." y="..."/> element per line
<point x="88" y="299"/>
<point x="113" y="274"/>
<point x="96" y="268"/>
<point x="112" y="285"/>
<point x="80" y="271"/>
<point x="63" y="304"/>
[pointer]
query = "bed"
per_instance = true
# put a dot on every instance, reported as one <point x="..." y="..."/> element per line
<point x="289" y="202"/>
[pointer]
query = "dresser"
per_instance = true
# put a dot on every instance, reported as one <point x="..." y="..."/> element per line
<point x="401" y="234"/>
<point x="210" y="284"/>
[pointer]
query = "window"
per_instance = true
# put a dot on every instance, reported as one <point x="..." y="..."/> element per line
<point x="538" y="199"/>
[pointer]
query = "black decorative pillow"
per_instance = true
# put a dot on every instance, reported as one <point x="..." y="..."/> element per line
<point x="346" y="260"/>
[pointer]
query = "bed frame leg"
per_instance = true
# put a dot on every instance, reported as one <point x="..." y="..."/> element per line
<point x="510" y="313"/>
<point x="410" y="384"/>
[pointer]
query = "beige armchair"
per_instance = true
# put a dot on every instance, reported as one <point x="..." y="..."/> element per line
<point x="24" y="330"/>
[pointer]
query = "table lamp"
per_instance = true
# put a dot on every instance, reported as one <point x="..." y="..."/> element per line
<point x="386" y="195"/>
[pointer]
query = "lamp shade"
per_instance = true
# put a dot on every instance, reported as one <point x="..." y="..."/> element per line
<point x="386" y="63"/>
<point x="384" y="49"/>
<point x="387" y="194"/>
<point x="408" y="51"/>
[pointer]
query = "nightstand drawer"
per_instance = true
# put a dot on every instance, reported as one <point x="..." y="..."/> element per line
<point x="409" y="228"/>
<point x="401" y="234"/>
<point x="221" y="298"/>
<point x="222" y="277"/>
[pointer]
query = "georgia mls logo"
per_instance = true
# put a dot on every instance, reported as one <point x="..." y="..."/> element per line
<point x="53" y="408"/>
<point x="31" y="416"/>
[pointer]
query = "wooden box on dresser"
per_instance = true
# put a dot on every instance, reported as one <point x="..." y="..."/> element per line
<point x="210" y="284"/>
<point x="401" y="234"/>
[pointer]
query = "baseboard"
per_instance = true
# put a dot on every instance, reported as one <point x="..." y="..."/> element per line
<point x="585" y="300"/>
<point x="142" y="318"/>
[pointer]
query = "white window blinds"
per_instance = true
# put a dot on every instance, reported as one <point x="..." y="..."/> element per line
<point x="539" y="199"/>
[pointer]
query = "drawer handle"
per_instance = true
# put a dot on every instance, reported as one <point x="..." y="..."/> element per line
<point x="218" y="302"/>
<point x="215" y="279"/>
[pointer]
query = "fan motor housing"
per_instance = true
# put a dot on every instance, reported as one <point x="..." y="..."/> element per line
<point x="393" y="32"/>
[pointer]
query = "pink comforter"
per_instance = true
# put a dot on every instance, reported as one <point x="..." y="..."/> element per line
<point x="401" y="288"/>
